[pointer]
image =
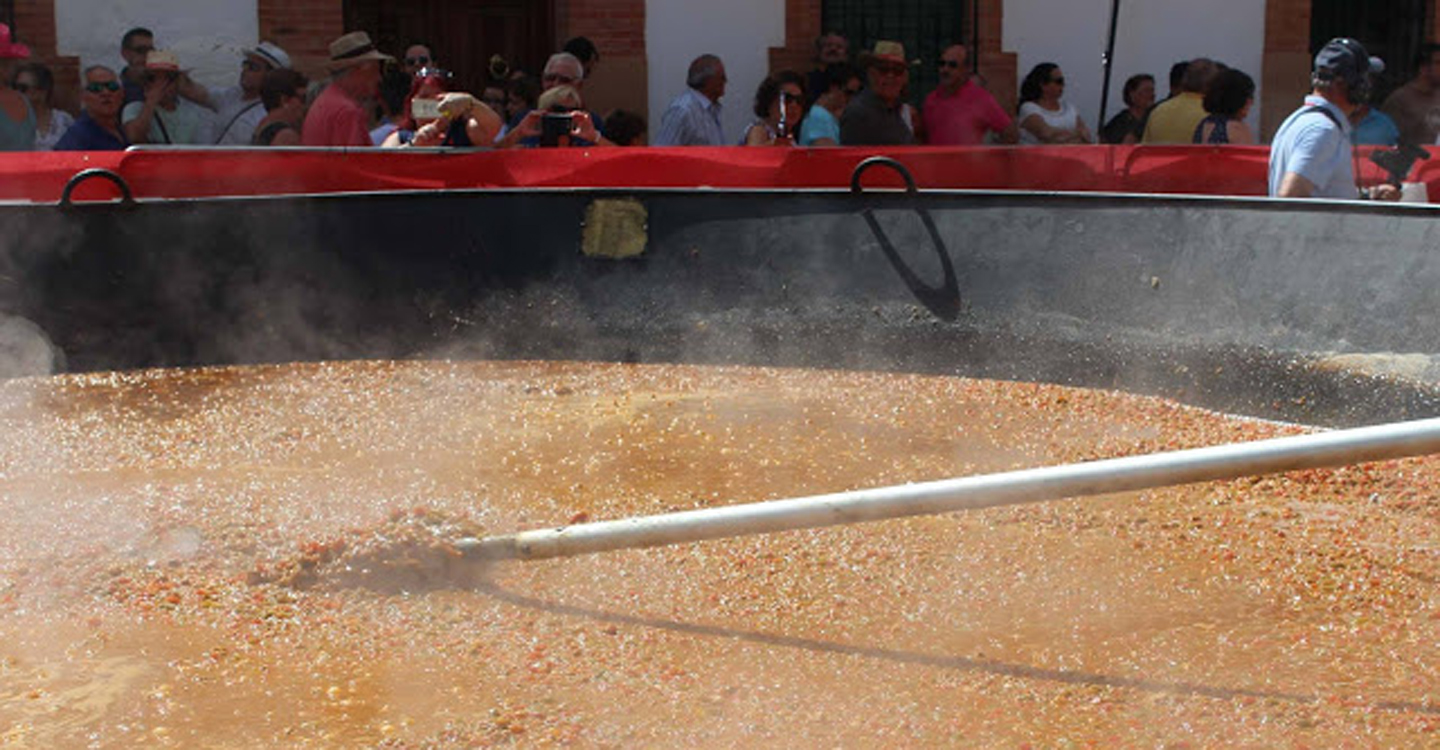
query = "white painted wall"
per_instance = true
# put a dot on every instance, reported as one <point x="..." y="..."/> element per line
<point x="206" y="34"/>
<point x="741" y="32"/>
<point x="1150" y="37"/>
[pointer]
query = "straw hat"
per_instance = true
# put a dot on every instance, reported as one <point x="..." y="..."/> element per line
<point x="352" y="49"/>
<point x="885" y="51"/>
<point x="10" y="50"/>
<point x="270" y="53"/>
<point x="159" y="59"/>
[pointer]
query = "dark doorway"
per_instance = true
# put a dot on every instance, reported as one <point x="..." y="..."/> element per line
<point x="463" y="34"/>
<point x="925" y="27"/>
<point x="1391" y="30"/>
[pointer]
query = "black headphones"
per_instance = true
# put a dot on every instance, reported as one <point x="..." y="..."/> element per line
<point x="1357" y="81"/>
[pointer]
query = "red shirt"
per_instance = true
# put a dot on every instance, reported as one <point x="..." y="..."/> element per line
<point x="962" y="118"/>
<point x="335" y="120"/>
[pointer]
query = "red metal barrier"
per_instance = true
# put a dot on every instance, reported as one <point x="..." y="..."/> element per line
<point x="156" y="173"/>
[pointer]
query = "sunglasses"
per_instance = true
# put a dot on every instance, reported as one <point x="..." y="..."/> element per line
<point x="890" y="70"/>
<point x="102" y="86"/>
<point x="414" y="61"/>
<point x="949" y="64"/>
<point x="558" y="78"/>
<point x="1060" y="80"/>
<point x="253" y="67"/>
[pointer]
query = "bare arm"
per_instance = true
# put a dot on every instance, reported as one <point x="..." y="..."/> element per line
<point x="1292" y="185"/>
<point x="1011" y="133"/>
<point x="528" y="127"/>
<point x="286" y="137"/>
<point x="483" y="125"/>
<point x="1240" y="133"/>
<point x="1038" y="128"/>
<point x="138" y="129"/>
<point x="195" y="92"/>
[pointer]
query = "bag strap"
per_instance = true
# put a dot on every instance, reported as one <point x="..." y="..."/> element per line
<point x="163" y="131"/>
<point x="225" y="130"/>
<point x="1327" y="113"/>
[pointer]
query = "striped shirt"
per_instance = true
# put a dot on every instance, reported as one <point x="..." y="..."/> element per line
<point x="692" y="119"/>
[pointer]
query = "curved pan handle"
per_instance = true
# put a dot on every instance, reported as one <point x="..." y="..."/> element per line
<point x="127" y="198"/>
<point x="885" y="161"/>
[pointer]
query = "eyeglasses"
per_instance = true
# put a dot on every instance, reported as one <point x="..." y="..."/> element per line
<point x="254" y="67"/>
<point x="1060" y="80"/>
<point x="949" y="64"/>
<point x="890" y="70"/>
<point x="101" y="86"/>
<point x="559" y="78"/>
<point x="417" y="61"/>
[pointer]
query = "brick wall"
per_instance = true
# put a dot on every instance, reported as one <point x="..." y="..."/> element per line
<point x="617" y="27"/>
<point x="802" y="26"/>
<point x="999" y="69"/>
<point x="1285" y="65"/>
<point x="304" y="28"/>
<point x="35" y="26"/>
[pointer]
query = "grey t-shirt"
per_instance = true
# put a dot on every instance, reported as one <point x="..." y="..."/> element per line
<point x="869" y="121"/>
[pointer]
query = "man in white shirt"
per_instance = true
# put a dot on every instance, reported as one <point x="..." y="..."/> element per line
<point x="238" y="108"/>
<point x="693" y="118"/>
<point x="162" y="117"/>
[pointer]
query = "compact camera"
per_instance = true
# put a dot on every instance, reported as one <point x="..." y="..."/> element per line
<point x="553" y="125"/>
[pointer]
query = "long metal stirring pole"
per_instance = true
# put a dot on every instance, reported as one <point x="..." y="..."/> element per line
<point x="1334" y="448"/>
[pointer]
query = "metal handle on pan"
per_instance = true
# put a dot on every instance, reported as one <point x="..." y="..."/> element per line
<point x="881" y="161"/>
<point x="127" y="198"/>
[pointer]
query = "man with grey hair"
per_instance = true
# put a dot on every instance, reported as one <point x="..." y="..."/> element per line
<point x="693" y="118"/>
<point x="562" y="69"/>
<point x="98" y="127"/>
<point x="565" y="69"/>
<point x="338" y="116"/>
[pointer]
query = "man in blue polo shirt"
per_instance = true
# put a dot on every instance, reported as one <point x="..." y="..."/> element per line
<point x="1311" y="154"/>
<point x="98" y="127"/>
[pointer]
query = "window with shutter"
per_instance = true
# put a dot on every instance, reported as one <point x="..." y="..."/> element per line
<point x="1391" y="30"/>
<point x="925" y="27"/>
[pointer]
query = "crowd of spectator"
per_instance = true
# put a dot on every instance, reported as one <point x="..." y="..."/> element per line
<point x="371" y="98"/>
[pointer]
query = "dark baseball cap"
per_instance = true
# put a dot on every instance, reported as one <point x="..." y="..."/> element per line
<point x="1345" y="58"/>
